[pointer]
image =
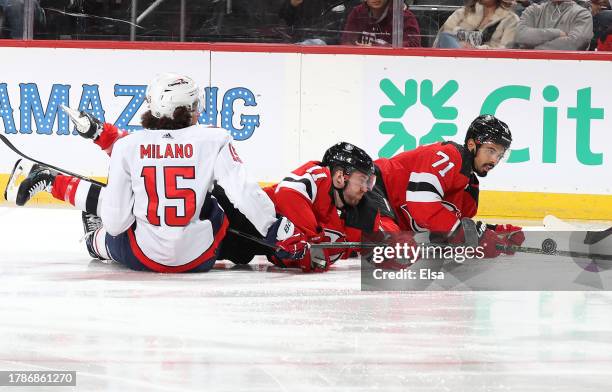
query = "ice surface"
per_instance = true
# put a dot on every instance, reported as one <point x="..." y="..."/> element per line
<point x="264" y="329"/>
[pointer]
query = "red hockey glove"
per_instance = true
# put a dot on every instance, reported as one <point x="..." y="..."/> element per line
<point x="310" y="260"/>
<point x="505" y="229"/>
<point x="317" y="260"/>
<point x="293" y="248"/>
<point x="488" y="240"/>
<point x="290" y="242"/>
<point x="510" y="235"/>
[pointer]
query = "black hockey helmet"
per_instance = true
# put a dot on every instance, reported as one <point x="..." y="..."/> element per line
<point x="488" y="128"/>
<point x="349" y="157"/>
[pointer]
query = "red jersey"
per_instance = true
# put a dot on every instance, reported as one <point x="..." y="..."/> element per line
<point x="432" y="187"/>
<point x="306" y="198"/>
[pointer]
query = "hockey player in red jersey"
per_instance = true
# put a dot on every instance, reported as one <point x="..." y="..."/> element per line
<point x="432" y="187"/>
<point x="331" y="197"/>
<point x="157" y="211"/>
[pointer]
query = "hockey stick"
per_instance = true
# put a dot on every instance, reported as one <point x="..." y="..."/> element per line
<point x="16" y="151"/>
<point x="253" y="238"/>
<point x="591" y="237"/>
<point x="469" y="228"/>
<point x="320" y="245"/>
<point x="544" y="250"/>
<point x="549" y="246"/>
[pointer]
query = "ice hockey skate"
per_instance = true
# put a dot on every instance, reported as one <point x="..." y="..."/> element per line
<point x="91" y="223"/>
<point x="86" y="125"/>
<point x="36" y="178"/>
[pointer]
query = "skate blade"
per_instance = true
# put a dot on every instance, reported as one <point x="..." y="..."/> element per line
<point x="20" y="171"/>
<point x="81" y="122"/>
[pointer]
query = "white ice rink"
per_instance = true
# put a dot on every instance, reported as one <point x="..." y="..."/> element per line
<point x="264" y="329"/>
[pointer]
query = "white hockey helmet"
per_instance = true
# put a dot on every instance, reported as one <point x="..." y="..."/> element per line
<point x="169" y="91"/>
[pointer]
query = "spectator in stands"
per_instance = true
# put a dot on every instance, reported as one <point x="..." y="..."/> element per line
<point x="555" y="25"/>
<point x="310" y="20"/>
<point x="522" y="5"/>
<point x="598" y="6"/>
<point x="370" y="24"/>
<point x="602" y="24"/>
<point x="13" y="14"/>
<point x="481" y="24"/>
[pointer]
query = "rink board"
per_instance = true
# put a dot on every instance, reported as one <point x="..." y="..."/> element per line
<point x="285" y="105"/>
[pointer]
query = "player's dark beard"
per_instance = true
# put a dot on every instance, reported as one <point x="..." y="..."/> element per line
<point x="483" y="173"/>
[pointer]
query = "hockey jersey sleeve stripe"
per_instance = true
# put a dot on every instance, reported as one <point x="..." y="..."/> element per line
<point x="413" y="225"/>
<point x="308" y="177"/>
<point x="422" y="187"/>
<point x="455" y="226"/>
<point x="302" y="185"/>
<point x="428" y="178"/>
<point x="423" y="197"/>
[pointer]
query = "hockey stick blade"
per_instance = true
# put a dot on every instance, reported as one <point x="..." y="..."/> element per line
<point x="470" y="232"/>
<point x="18" y="152"/>
<point x="593" y="237"/>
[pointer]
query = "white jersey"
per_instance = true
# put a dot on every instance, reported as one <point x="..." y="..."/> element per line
<point x="158" y="191"/>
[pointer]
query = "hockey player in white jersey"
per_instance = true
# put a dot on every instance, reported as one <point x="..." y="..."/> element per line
<point x="157" y="211"/>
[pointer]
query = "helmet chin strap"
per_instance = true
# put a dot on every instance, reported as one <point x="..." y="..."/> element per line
<point x="341" y="196"/>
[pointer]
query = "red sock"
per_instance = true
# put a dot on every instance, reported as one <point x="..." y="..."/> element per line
<point x="65" y="187"/>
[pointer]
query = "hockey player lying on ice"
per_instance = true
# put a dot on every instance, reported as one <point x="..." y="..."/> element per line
<point x="157" y="211"/>
<point x="428" y="189"/>
<point x="332" y="198"/>
<point x="434" y="186"/>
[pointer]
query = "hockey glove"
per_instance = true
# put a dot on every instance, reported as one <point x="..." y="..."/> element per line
<point x="87" y="125"/>
<point x="511" y="235"/>
<point x="487" y="239"/>
<point x="313" y="260"/>
<point x="316" y="260"/>
<point x="293" y="248"/>
<point x="289" y="241"/>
